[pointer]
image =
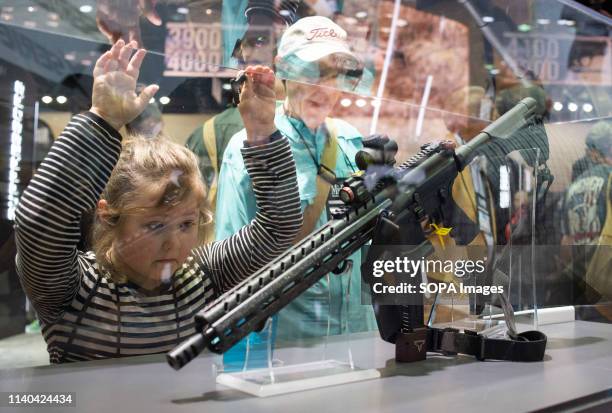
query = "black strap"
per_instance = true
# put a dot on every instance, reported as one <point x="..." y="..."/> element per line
<point x="529" y="346"/>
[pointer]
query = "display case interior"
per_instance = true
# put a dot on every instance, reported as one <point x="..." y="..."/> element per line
<point x="533" y="207"/>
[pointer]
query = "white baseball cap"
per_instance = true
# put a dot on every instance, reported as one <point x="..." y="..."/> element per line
<point x="313" y="38"/>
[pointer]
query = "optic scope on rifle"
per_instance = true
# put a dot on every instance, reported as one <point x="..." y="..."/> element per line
<point x="375" y="205"/>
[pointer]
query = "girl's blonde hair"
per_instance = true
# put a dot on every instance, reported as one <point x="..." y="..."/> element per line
<point x="158" y="166"/>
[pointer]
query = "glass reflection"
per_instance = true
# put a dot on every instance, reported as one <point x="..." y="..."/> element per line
<point x="422" y="71"/>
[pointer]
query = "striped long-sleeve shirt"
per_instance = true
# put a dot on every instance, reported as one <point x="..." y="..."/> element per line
<point x="84" y="314"/>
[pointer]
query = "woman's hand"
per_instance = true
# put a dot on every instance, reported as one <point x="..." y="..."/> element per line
<point x="258" y="104"/>
<point x="120" y="19"/>
<point x="114" y="95"/>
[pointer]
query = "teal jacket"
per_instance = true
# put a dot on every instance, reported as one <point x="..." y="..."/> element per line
<point x="307" y="316"/>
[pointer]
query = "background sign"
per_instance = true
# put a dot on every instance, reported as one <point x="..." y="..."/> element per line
<point x="195" y="50"/>
<point x="549" y="57"/>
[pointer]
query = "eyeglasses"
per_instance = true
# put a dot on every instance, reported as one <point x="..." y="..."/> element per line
<point x="344" y="80"/>
<point x="340" y="74"/>
<point x="252" y="39"/>
<point x="255" y="41"/>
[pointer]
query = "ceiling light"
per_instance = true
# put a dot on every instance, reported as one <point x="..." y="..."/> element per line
<point x="572" y="107"/>
<point x="208" y="11"/>
<point x="543" y="22"/>
<point x="31" y="9"/>
<point x="182" y="10"/>
<point x="524" y="27"/>
<point x="227" y="86"/>
<point x="47" y="99"/>
<point x="587" y="107"/>
<point x="152" y="100"/>
<point x="61" y="99"/>
<point x="360" y="103"/>
<point x="86" y="8"/>
<point x="346" y="102"/>
<point x="361" y="14"/>
<point x="558" y="106"/>
<point x="488" y="19"/>
<point x="164" y="100"/>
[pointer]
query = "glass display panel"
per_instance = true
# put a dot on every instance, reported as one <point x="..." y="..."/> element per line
<point x="417" y="72"/>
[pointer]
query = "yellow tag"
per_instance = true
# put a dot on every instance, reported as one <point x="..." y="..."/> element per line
<point x="441" y="232"/>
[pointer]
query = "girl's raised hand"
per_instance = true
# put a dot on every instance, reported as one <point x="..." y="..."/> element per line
<point x="114" y="95"/>
<point x="258" y="103"/>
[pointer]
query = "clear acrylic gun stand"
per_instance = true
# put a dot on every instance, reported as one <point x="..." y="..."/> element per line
<point x="515" y="272"/>
<point x="328" y="363"/>
<point x="521" y="270"/>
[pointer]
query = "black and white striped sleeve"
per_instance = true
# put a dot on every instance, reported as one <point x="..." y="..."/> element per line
<point x="68" y="182"/>
<point x="277" y="221"/>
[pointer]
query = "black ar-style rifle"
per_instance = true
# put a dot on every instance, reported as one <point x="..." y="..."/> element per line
<point x="418" y="189"/>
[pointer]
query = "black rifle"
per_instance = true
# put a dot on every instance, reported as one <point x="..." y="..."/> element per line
<point x="419" y="189"/>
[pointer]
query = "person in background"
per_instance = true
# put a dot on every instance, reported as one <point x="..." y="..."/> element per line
<point x="250" y="32"/>
<point x="593" y="154"/>
<point x="583" y="163"/>
<point x="586" y="211"/>
<point x="208" y="142"/>
<point x="121" y="19"/>
<point x="315" y="59"/>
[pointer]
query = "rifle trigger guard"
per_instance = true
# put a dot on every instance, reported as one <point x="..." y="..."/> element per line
<point x="344" y="267"/>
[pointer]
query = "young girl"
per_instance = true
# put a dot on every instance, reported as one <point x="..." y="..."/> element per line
<point x="138" y="291"/>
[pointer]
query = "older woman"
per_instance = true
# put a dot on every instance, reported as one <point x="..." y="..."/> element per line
<point x="316" y="63"/>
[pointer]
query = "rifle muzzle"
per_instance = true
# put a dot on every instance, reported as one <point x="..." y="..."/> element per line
<point x="186" y="351"/>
